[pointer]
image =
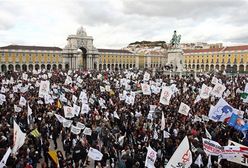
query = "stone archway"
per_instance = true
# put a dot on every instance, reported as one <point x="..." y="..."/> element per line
<point x="3" y="68"/>
<point x="72" y="51"/>
<point x="24" y="67"/>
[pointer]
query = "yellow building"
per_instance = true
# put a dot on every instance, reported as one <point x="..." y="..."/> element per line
<point x="23" y="58"/>
<point x="232" y="59"/>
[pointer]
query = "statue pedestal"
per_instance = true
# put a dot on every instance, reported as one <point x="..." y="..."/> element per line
<point x="175" y="57"/>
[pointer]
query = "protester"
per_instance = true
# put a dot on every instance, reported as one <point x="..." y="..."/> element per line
<point x="108" y="117"/>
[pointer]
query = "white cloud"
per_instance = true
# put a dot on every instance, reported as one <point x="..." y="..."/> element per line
<point x="116" y="23"/>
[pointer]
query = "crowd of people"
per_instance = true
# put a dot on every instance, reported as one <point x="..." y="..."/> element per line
<point x="121" y="130"/>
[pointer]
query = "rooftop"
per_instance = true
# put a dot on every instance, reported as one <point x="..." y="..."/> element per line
<point x="114" y="51"/>
<point x="228" y="48"/>
<point x="22" y="47"/>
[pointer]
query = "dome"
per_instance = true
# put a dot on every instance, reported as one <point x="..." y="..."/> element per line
<point x="81" y="32"/>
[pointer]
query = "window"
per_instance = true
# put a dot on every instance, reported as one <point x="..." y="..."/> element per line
<point x="241" y="61"/>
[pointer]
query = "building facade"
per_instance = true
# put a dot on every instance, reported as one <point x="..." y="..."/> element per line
<point x="78" y="53"/>
<point x="230" y="59"/>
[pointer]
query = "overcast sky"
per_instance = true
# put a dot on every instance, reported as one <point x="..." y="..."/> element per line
<point x="116" y="23"/>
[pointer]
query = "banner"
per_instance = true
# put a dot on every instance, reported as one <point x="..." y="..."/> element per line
<point x="75" y="130"/>
<point x="19" y="138"/>
<point x="162" y="121"/>
<point x="85" y="109"/>
<point x="146" y="89"/>
<point x="240" y="159"/>
<point x="205" y="91"/>
<point x="218" y="90"/>
<point x="44" y="88"/>
<point x="182" y="157"/>
<point x="150" y="157"/>
<point x="221" y="111"/>
<point x="87" y="131"/>
<point x="211" y="147"/>
<point x="68" y="111"/>
<point x="165" y="95"/>
<point x="95" y="154"/>
<point x="80" y="125"/>
<point x="67" y="123"/>
<point x="76" y="109"/>
<point x="184" y="109"/>
<point x="214" y="80"/>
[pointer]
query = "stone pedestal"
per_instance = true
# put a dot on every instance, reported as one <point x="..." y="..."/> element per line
<point x="175" y="57"/>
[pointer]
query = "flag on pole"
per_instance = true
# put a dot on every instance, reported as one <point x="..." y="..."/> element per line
<point x="35" y="133"/>
<point x="150" y="157"/>
<point x="182" y="156"/>
<point x="162" y="121"/>
<point x="209" y="165"/>
<point x="198" y="161"/>
<point x="19" y="138"/>
<point x="58" y="104"/>
<point x="29" y="113"/>
<point x="208" y="134"/>
<point x="54" y="156"/>
<point x="5" y="158"/>
<point x="244" y="95"/>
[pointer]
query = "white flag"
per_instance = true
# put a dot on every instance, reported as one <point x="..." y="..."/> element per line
<point x="19" y="138"/>
<point x="166" y="134"/>
<point x="218" y="90"/>
<point x="208" y="134"/>
<point x="198" y="161"/>
<point x="5" y="157"/>
<point x="182" y="157"/>
<point x="75" y="130"/>
<point x="17" y="109"/>
<point x="146" y="76"/>
<point x="165" y="95"/>
<point x="44" y="88"/>
<point x="116" y="115"/>
<point x="60" y="118"/>
<point x="85" y="109"/>
<point x="29" y="113"/>
<point x="146" y="89"/>
<point x="205" y="91"/>
<point x="162" y="121"/>
<point x="22" y="101"/>
<point x="150" y="157"/>
<point x="214" y="80"/>
<point x="184" y="109"/>
<point x="209" y="165"/>
<point x="74" y="99"/>
<point x="95" y="154"/>
<point x="67" y="123"/>
<point x="68" y="111"/>
<point x="211" y="147"/>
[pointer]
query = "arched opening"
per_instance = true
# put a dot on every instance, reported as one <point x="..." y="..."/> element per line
<point x="17" y="67"/>
<point x="67" y="67"/>
<point x="48" y="67"/>
<point x="120" y="66"/>
<point x="24" y="67"/>
<point x="228" y="69"/>
<point x="60" y="66"/>
<point x="30" y="67"/>
<point x="3" y="68"/>
<point x="202" y="67"/>
<point x="104" y="66"/>
<point x="116" y="67"/>
<point x="217" y="67"/>
<point x="222" y="67"/>
<point x="133" y="65"/>
<point x="241" y="68"/>
<point x="127" y="66"/>
<point x="108" y="66"/>
<point x="112" y="66"/>
<point x="130" y="66"/>
<point x="43" y="66"/>
<point x="189" y="66"/>
<point x="246" y="69"/>
<point x="211" y="67"/>
<point x="10" y="67"/>
<point x="207" y="68"/>
<point x="37" y="66"/>
<point x="54" y="66"/>
<point x="197" y="67"/>
<point x="123" y="66"/>
<point x="84" y="57"/>
<point x="193" y="66"/>
<point x="234" y="69"/>
<point x="95" y="66"/>
<point x="100" y="66"/>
